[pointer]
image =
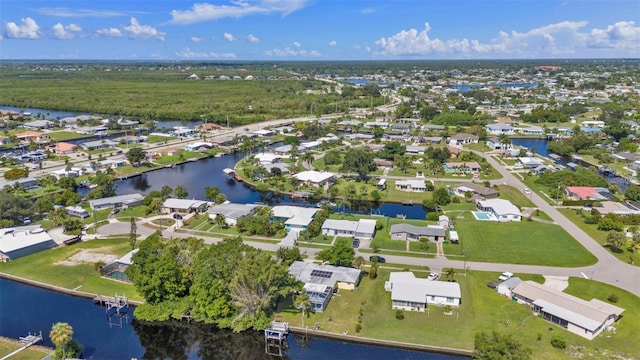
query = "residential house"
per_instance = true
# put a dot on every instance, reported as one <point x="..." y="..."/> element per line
<point x="116" y="269"/>
<point x="21" y="241"/>
<point x="463" y="139"/>
<point x="27" y="183"/>
<point x="499" y="129"/>
<point x="362" y="229"/>
<point x="627" y="156"/>
<point x="316" y="178"/>
<point x="588" y="193"/>
<point x="476" y="190"/>
<point x="232" y="212"/>
<point x="294" y="217"/>
<point x="208" y="127"/>
<point x="432" y="139"/>
<point x="531" y="130"/>
<point x="503" y="210"/>
<point x="410" y="232"/>
<point x="267" y="158"/>
<point x="284" y="167"/>
<point x="592" y="124"/>
<point x="183" y="131"/>
<point x="506" y="287"/>
<point x="38" y="124"/>
<point x="77" y="211"/>
<point x="581" y="317"/>
<point x="461" y="167"/>
<point x="183" y="206"/>
<point x="530" y="162"/>
<point x="495" y="144"/>
<point x="62" y="148"/>
<point x="414" y="294"/>
<point x="321" y="280"/>
<point x="198" y="146"/>
<point x="111" y="163"/>
<point x="99" y="144"/>
<point x="120" y="201"/>
<point x="29" y="136"/>
<point x="417" y="185"/>
<point x="415" y="150"/>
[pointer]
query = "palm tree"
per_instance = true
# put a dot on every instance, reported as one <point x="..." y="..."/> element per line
<point x="358" y="262"/>
<point x="303" y="303"/>
<point x="450" y="272"/>
<point x="60" y="335"/>
<point x="505" y="141"/>
<point x="308" y="158"/>
<point x="220" y="221"/>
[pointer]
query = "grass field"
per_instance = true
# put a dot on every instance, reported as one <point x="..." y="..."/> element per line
<point x="514" y="195"/>
<point x="481" y="309"/>
<point x="523" y="242"/>
<point x="82" y="276"/>
<point x="7" y="346"/>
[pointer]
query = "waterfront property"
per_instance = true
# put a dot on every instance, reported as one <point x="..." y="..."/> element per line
<point x="198" y="146"/>
<point x="116" y="269"/>
<point x="417" y="185"/>
<point x="294" y="217"/>
<point x="414" y="294"/>
<point x="588" y="193"/>
<point x="476" y="190"/>
<point x="232" y="212"/>
<point x="502" y="210"/>
<point x="183" y="206"/>
<point x="462" y="139"/>
<point x="316" y="178"/>
<point x="363" y="228"/>
<point x="120" y="201"/>
<point x="321" y="280"/>
<point x="22" y="241"/>
<point x="27" y="183"/>
<point x="410" y="232"/>
<point x="583" y="318"/>
<point x="499" y="129"/>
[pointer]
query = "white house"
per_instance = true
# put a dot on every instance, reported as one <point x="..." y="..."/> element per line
<point x="499" y="129"/>
<point x="294" y="217"/>
<point x="320" y="281"/>
<point x="120" y="201"/>
<point x="315" y="178"/>
<point x="198" y="145"/>
<point x="414" y="294"/>
<point x="363" y="228"/>
<point x="77" y="211"/>
<point x="184" y="206"/>
<point x="232" y="212"/>
<point x="267" y="158"/>
<point x="506" y="287"/>
<point x="22" y="241"/>
<point x="411" y="185"/>
<point x="581" y="317"/>
<point x="502" y="209"/>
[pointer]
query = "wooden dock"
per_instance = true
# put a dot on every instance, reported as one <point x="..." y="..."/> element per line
<point x="26" y="341"/>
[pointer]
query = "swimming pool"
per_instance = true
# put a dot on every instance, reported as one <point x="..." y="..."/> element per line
<point x="484" y="216"/>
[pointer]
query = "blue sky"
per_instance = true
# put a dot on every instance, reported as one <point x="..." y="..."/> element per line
<point x="318" y="29"/>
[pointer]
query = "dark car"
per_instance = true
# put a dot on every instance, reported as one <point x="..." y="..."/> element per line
<point x="177" y="216"/>
<point x="356" y="243"/>
<point x="377" y="258"/>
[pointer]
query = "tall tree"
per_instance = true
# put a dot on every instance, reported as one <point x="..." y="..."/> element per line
<point x="136" y="155"/>
<point x="180" y="192"/>
<point x="61" y="334"/>
<point x="495" y="346"/>
<point x="359" y="161"/>
<point x="133" y="233"/>
<point x="302" y="302"/>
<point x="340" y="254"/>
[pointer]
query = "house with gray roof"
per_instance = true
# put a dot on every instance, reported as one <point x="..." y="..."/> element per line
<point x="232" y="212"/>
<point x="410" y="232"/>
<point x="506" y="287"/>
<point x="98" y="144"/>
<point x="320" y="281"/>
<point x="476" y="190"/>
<point x="21" y="241"/>
<point x="581" y="317"/>
<point x="502" y="209"/>
<point x="363" y="228"/>
<point x="120" y="201"/>
<point x="414" y="294"/>
<point x="416" y="185"/>
<point x="294" y="217"/>
<point x="183" y="206"/>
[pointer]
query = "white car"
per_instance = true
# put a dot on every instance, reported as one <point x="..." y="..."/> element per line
<point x="505" y="276"/>
<point x="433" y="276"/>
<point x="526" y="191"/>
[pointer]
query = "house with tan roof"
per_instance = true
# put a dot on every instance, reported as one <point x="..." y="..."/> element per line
<point x="63" y="148"/>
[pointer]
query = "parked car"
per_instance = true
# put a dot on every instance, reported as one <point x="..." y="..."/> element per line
<point x="433" y="276"/>
<point x="526" y="191"/>
<point x="114" y="211"/>
<point x="177" y="216"/>
<point x="26" y="221"/>
<point x="505" y="276"/>
<point x="380" y="259"/>
<point x="356" y="242"/>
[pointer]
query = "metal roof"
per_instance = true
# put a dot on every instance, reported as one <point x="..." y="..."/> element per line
<point x="307" y="273"/>
<point x="406" y="287"/>
<point x="417" y="230"/>
<point x="233" y="211"/>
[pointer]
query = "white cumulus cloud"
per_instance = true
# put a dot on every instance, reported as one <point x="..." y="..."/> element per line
<point x="296" y="44"/>
<point x="62" y="32"/>
<point x="187" y="53"/>
<point x="134" y="31"/>
<point x="229" y="37"/>
<point x="110" y="32"/>
<point x="196" y="39"/>
<point x="333" y="43"/>
<point x="566" y="38"/>
<point x="252" y="39"/>
<point x="235" y="9"/>
<point x="28" y="29"/>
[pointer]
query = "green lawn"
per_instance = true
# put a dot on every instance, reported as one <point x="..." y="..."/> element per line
<point x="6" y="347"/>
<point x="515" y="195"/>
<point x="182" y="156"/>
<point x="524" y="242"/>
<point x="599" y="236"/>
<point x="126" y="214"/>
<point x="42" y="266"/>
<point x="481" y="309"/>
<point x="65" y="135"/>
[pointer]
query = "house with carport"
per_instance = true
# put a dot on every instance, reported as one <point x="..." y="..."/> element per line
<point x="414" y="294"/>
<point x="320" y="281"/>
<point x="581" y="317"/>
<point x="410" y="232"/>
<point x="363" y="228"/>
<point x="183" y="206"/>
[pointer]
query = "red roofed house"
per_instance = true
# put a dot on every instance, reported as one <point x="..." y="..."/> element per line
<point x="588" y="193"/>
<point x="29" y="136"/>
<point x="63" y="148"/>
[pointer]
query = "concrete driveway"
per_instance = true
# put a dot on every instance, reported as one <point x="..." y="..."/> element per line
<point x="556" y="282"/>
<point x="123" y="228"/>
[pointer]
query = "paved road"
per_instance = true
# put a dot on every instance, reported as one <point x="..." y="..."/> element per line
<point x="608" y="269"/>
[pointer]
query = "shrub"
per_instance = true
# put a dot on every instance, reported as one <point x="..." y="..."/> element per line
<point x="455" y="200"/>
<point x="539" y="336"/>
<point x="399" y="314"/>
<point x="358" y="328"/>
<point x="99" y="264"/>
<point x="558" y="342"/>
<point x="432" y="216"/>
<point x="613" y="298"/>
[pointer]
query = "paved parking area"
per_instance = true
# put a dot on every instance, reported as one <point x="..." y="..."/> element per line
<point x="556" y="282"/>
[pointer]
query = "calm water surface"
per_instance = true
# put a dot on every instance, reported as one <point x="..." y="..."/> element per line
<point x="24" y="309"/>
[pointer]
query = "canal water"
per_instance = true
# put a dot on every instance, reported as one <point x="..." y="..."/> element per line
<point x="541" y="148"/>
<point x="197" y="175"/>
<point x="25" y="309"/>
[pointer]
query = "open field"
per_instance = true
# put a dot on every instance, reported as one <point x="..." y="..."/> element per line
<point x="482" y="309"/>
<point x="72" y="267"/>
<point x="515" y="195"/>
<point x="524" y="242"/>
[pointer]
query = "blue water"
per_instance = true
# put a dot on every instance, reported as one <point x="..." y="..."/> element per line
<point x="197" y="175"/>
<point x="25" y="309"/>
<point x="507" y="85"/>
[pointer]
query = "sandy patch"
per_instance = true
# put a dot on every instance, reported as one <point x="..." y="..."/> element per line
<point x="556" y="282"/>
<point x="87" y="256"/>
